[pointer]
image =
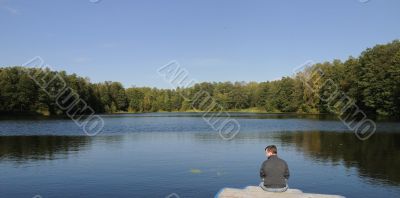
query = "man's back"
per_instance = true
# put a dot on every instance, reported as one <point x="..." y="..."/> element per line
<point x="275" y="172"/>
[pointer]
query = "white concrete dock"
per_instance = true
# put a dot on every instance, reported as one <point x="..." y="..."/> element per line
<point x="257" y="192"/>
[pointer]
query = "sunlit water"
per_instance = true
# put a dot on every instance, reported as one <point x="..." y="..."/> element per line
<point x="155" y="155"/>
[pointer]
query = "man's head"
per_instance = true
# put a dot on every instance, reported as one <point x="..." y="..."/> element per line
<point x="271" y="150"/>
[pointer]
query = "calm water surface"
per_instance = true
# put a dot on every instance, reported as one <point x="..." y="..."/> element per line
<point x="154" y="155"/>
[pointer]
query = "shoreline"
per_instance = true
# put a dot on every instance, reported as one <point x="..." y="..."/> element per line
<point x="144" y="112"/>
<point x="19" y="115"/>
<point x="228" y="111"/>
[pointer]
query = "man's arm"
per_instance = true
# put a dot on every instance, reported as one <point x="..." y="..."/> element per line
<point x="262" y="174"/>
<point x="286" y="174"/>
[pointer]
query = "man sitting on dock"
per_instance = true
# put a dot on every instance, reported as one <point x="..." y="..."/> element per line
<point x="274" y="171"/>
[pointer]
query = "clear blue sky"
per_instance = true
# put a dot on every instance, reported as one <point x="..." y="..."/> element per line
<point x="127" y="40"/>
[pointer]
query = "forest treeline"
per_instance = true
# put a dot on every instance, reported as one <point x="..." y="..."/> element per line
<point x="372" y="80"/>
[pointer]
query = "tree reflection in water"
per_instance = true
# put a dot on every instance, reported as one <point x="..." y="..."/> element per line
<point x="378" y="157"/>
<point x="24" y="148"/>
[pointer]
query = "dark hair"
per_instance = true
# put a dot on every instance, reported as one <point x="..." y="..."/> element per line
<point x="272" y="149"/>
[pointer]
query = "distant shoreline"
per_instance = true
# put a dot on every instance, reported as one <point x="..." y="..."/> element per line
<point x="33" y="114"/>
<point x="228" y="111"/>
<point x="19" y="115"/>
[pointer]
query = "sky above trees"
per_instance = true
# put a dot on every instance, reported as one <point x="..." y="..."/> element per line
<point x="127" y="41"/>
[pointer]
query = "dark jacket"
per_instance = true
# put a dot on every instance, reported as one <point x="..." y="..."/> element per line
<point x="275" y="172"/>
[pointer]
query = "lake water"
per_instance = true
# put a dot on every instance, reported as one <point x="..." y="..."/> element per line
<point x="158" y="154"/>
